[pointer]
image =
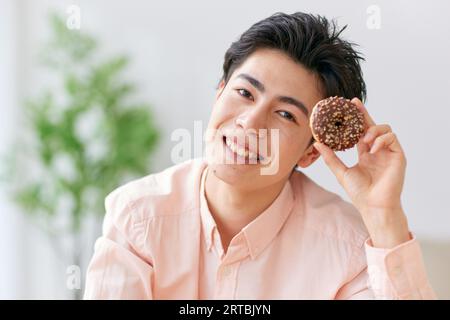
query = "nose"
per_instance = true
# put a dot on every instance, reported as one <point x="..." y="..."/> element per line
<point x="253" y="119"/>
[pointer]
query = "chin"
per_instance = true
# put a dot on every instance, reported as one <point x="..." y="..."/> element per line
<point x="230" y="173"/>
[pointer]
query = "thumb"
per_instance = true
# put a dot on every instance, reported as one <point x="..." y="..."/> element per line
<point x="331" y="160"/>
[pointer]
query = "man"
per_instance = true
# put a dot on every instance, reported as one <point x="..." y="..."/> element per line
<point x="259" y="228"/>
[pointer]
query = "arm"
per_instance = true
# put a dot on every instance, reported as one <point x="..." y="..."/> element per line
<point x="116" y="270"/>
<point x="397" y="274"/>
<point x="374" y="186"/>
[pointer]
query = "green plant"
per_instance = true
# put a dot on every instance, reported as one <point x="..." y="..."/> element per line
<point x="88" y="137"/>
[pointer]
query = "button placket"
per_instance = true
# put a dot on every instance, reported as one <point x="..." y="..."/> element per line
<point x="225" y="282"/>
<point x="227" y="270"/>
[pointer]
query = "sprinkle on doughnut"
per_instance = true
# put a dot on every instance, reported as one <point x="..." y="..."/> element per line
<point x="337" y="123"/>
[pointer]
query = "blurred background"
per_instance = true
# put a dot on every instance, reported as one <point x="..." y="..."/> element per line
<point x="91" y="92"/>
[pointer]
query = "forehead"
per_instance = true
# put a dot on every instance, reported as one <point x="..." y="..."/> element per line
<point x="281" y="76"/>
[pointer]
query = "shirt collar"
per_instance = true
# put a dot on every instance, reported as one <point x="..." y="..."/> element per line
<point x="262" y="230"/>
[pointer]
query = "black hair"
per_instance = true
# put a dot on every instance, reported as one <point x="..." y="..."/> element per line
<point x="310" y="40"/>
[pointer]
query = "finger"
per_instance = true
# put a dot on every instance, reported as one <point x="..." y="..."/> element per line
<point x="375" y="131"/>
<point x="362" y="148"/>
<point x="331" y="160"/>
<point x="388" y="140"/>
<point x="367" y="118"/>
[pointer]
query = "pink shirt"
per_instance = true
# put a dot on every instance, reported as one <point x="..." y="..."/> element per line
<point x="160" y="241"/>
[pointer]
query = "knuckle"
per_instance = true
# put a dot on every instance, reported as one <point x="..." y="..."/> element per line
<point x="371" y="129"/>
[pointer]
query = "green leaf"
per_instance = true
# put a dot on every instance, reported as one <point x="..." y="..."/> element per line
<point x="128" y="133"/>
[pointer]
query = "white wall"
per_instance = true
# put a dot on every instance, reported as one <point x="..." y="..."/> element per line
<point x="177" y="50"/>
<point x="10" y="222"/>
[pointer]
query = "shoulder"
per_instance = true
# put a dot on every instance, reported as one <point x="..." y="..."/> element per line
<point x="171" y="191"/>
<point x="327" y="213"/>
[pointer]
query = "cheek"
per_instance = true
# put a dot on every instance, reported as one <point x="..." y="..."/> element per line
<point x="287" y="152"/>
<point x="291" y="145"/>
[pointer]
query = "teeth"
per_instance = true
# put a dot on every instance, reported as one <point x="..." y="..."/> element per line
<point x="239" y="150"/>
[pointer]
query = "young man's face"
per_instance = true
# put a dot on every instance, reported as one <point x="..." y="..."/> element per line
<point x="249" y="114"/>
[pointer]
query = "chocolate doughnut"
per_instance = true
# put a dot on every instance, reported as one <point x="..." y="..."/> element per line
<point x="337" y="123"/>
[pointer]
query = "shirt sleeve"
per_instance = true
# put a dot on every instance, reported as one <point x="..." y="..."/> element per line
<point x="116" y="270"/>
<point x="395" y="274"/>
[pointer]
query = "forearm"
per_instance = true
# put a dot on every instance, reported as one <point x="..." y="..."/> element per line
<point x="387" y="228"/>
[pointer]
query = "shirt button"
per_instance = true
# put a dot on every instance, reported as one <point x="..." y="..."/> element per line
<point x="397" y="270"/>
<point x="226" y="271"/>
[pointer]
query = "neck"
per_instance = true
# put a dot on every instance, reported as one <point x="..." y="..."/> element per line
<point x="234" y="208"/>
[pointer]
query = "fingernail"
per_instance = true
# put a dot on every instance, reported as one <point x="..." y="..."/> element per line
<point x="357" y="100"/>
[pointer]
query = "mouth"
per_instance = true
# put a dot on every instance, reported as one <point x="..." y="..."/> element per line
<point x="238" y="152"/>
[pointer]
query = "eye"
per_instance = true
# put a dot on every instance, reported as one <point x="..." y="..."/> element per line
<point x="287" y="115"/>
<point x="245" y="93"/>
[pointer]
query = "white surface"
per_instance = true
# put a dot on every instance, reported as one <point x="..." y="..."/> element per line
<point x="12" y="241"/>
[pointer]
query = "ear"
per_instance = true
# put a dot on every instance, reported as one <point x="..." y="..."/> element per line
<point x="220" y="88"/>
<point x="310" y="155"/>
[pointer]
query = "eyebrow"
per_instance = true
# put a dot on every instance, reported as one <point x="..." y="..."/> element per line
<point x="260" y="87"/>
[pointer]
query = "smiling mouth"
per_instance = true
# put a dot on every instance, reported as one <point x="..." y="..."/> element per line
<point x="240" y="152"/>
